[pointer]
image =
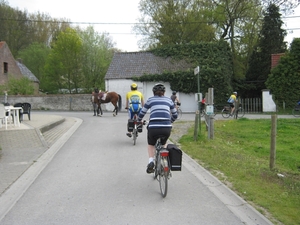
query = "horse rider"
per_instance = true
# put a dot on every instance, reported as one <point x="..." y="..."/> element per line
<point x="134" y="102"/>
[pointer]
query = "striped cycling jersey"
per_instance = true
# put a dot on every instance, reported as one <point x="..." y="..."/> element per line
<point x="162" y="112"/>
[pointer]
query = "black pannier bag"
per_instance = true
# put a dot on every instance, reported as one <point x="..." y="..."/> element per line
<point x="130" y="125"/>
<point x="175" y="156"/>
<point x="140" y="126"/>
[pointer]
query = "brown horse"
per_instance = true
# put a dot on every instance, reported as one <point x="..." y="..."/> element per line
<point x="107" y="97"/>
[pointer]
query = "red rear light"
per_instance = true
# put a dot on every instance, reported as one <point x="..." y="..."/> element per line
<point x="164" y="153"/>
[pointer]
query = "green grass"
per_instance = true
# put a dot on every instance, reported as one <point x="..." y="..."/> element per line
<point x="239" y="156"/>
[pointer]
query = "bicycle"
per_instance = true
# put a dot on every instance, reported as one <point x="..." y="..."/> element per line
<point x="238" y="113"/>
<point x="137" y="128"/>
<point x="296" y="111"/>
<point x="162" y="170"/>
<point x="179" y="111"/>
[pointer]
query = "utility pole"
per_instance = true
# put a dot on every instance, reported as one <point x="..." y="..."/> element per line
<point x="198" y="114"/>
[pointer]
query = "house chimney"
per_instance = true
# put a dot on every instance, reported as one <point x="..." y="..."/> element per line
<point x="20" y="60"/>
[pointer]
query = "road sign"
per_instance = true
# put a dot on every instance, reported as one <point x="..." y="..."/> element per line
<point x="209" y="109"/>
<point x="196" y="70"/>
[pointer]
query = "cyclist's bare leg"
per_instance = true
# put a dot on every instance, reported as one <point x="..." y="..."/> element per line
<point x="232" y="110"/>
<point x="151" y="152"/>
<point x="129" y="117"/>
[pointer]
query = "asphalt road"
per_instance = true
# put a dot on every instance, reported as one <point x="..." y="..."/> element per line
<point x="95" y="175"/>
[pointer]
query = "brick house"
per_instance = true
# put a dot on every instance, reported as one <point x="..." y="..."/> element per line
<point x="275" y="59"/>
<point x="11" y="67"/>
<point x="126" y="65"/>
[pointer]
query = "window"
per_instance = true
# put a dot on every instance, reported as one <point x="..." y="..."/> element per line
<point x="5" y="66"/>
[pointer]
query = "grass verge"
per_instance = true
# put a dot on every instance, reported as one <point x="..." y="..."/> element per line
<point x="239" y="157"/>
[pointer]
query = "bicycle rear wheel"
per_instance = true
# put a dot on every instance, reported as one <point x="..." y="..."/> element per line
<point x="179" y="114"/>
<point x="296" y="112"/>
<point x="163" y="176"/>
<point x="134" y="134"/>
<point x="240" y="112"/>
<point x="155" y="174"/>
<point x="215" y="110"/>
<point x="225" y="113"/>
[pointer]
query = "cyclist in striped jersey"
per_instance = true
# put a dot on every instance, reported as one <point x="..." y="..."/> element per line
<point x="162" y="114"/>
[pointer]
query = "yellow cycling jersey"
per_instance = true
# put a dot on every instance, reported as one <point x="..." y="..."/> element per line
<point x="134" y="97"/>
<point x="232" y="99"/>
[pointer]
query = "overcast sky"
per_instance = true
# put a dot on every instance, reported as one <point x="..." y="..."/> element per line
<point x="112" y="11"/>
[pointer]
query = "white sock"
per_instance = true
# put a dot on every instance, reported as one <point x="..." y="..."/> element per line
<point x="150" y="159"/>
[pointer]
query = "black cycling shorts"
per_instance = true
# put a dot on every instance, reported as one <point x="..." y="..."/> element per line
<point x="231" y="105"/>
<point x="155" y="133"/>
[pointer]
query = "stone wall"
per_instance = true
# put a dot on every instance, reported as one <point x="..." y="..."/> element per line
<point x="63" y="102"/>
<point x="268" y="102"/>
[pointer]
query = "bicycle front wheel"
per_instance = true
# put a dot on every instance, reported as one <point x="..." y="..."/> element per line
<point x="225" y="113"/>
<point x="240" y="113"/>
<point x="179" y="114"/>
<point x="296" y="112"/>
<point x="163" y="176"/>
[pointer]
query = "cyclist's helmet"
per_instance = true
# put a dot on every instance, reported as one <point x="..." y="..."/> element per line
<point x="133" y="86"/>
<point x="158" y="87"/>
<point x="174" y="93"/>
<point x="235" y="92"/>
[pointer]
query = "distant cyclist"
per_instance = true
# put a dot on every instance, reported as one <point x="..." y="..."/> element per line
<point x="134" y="102"/>
<point x="231" y="101"/>
<point x="175" y="99"/>
<point x="162" y="114"/>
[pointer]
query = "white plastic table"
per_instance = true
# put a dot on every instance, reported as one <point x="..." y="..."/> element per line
<point x="15" y="112"/>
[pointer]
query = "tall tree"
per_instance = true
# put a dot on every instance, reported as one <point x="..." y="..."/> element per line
<point x="238" y="21"/>
<point x="35" y="57"/>
<point x="286" y="6"/>
<point x="44" y="29"/>
<point x="96" y="56"/>
<point x="166" y="22"/>
<point x="284" y="80"/>
<point x="20" y="29"/>
<point x="13" y="28"/>
<point x="271" y="41"/>
<point x="63" y="67"/>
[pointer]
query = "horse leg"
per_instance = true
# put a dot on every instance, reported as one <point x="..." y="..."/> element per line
<point x="116" y="109"/>
<point x="115" y="112"/>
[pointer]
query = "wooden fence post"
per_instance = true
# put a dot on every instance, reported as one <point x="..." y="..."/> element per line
<point x="197" y="115"/>
<point x="273" y="141"/>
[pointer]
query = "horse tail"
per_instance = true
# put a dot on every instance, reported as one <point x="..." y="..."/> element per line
<point x="120" y="102"/>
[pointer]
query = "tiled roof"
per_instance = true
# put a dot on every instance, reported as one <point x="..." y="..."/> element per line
<point x="135" y="64"/>
<point x="26" y="72"/>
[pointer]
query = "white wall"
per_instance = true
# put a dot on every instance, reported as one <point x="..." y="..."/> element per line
<point x="268" y="102"/>
<point x="122" y="86"/>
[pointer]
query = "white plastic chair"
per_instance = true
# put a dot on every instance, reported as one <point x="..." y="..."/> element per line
<point x="3" y="116"/>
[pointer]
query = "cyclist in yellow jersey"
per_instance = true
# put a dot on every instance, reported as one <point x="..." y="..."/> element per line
<point x="231" y="101"/>
<point x="134" y="102"/>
